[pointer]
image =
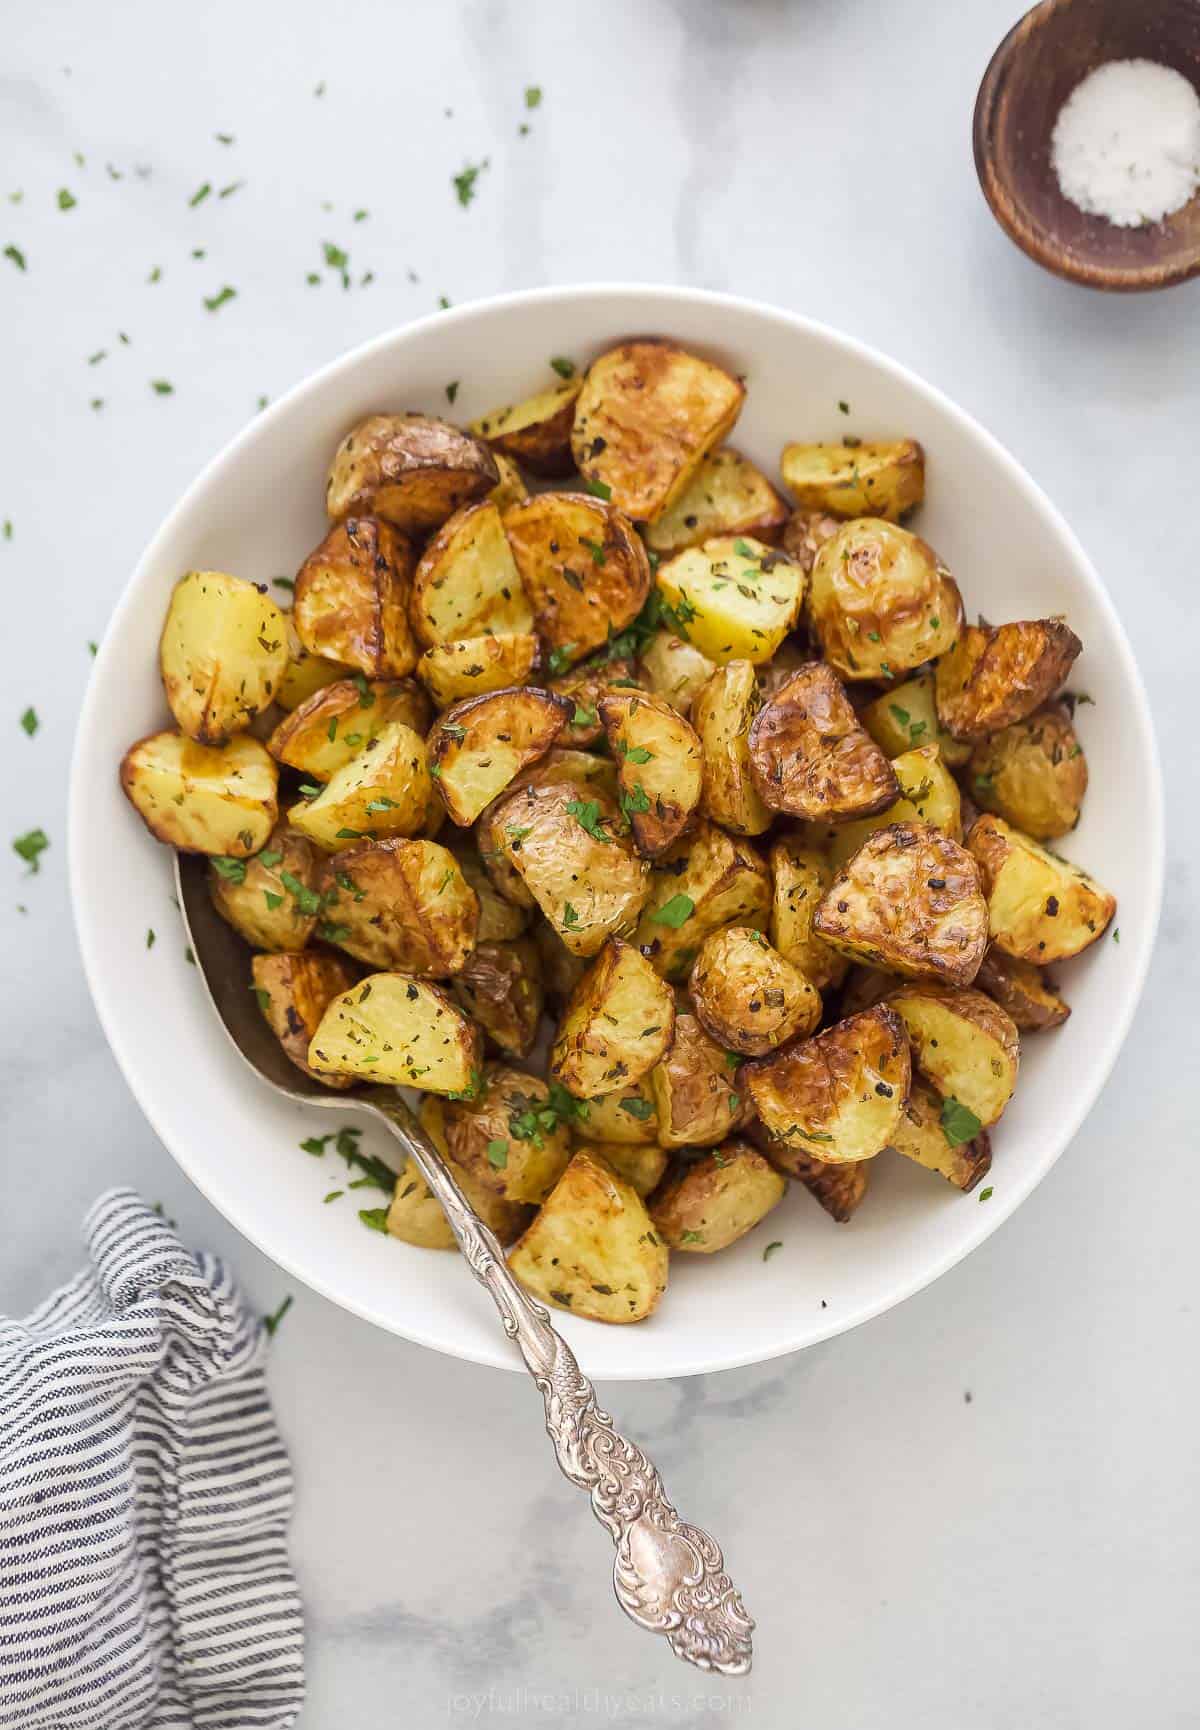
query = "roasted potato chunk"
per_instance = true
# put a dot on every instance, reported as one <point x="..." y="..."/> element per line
<point x="643" y="1167"/>
<point x="905" y="718"/>
<point x="882" y="479"/>
<point x="747" y="996"/>
<point x="659" y="766"/>
<point x="674" y="669"/>
<point x="271" y="899"/>
<point x="203" y="798"/>
<point x="384" y="790"/>
<point x="625" y="1118"/>
<point x="466" y="582"/>
<point x="800" y="875"/>
<point x="294" y="991"/>
<point x="1034" y="773"/>
<point x="722" y="713"/>
<point x="402" y="905"/>
<point x="455" y="671"/>
<point x="1023" y="991"/>
<point x="390" y="1028"/>
<point x="511" y="487"/>
<point x="929" y="1135"/>
<point x="415" y="1214"/>
<point x="351" y="599"/>
<point x="561" y="971"/>
<point x="592" y="1248"/>
<point x="409" y="1216"/>
<point x="810" y="757"/>
<point x="305" y="674"/>
<point x="996" y="675"/>
<point x="568" y="851"/>
<point x="500" y="987"/>
<point x="726" y="495"/>
<point x="837" y="1096"/>
<point x="840" y="1189"/>
<point x="584" y="569"/>
<point x="711" y="1202"/>
<point x="697" y="1099"/>
<point x="499" y="920"/>
<point x="880" y="601"/>
<point x="508" y="1138"/>
<point x="928" y="794"/>
<point x="804" y="534"/>
<point x="964" y="1043"/>
<point x="863" y="989"/>
<point x="909" y="901"/>
<point x="709" y="879"/>
<point x="583" y="688"/>
<point x="559" y="767"/>
<point x="1040" y="908"/>
<point x="223" y="655"/>
<point x="335" y="724"/>
<point x="477" y="747"/>
<point x="537" y="431"/>
<point x="618" y="1023"/>
<point x="733" y="597"/>
<point x="409" y="469"/>
<point x="648" y="414"/>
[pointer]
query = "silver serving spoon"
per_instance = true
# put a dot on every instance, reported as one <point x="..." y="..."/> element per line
<point x="668" y="1576"/>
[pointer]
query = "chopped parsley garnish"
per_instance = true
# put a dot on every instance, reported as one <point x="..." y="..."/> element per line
<point x="593" y="547"/>
<point x="334" y="934"/>
<point x="17" y="256"/>
<point x="959" y="1123"/>
<point x="200" y="194"/>
<point x="232" y="870"/>
<point x="452" y="390"/>
<point x="271" y="1322"/>
<point x="569" y="916"/>
<point x="559" y="659"/>
<point x="337" y="259"/>
<point x="599" y="489"/>
<point x="771" y="1248"/>
<point x="563" y="367"/>
<point x="464" y="183"/>
<point x="30" y="848"/>
<point x="66" y="200"/>
<point x="383" y="803"/>
<point x="150" y="937"/>
<point x="452" y="730"/>
<point x="228" y="191"/>
<point x="675" y="912"/>
<point x="497" y="1153"/>
<point x="1116" y="933"/>
<point x="692" y="1237"/>
<point x="533" y="96"/>
<point x="639" y="1108"/>
<point x="584" y="716"/>
<point x="586" y="813"/>
<point x="29" y="721"/>
<point x="270" y="857"/>
<point x="375" y="1218"/>
<point x="744" y="550"/>
<point x="162" y="387"/>
<point x="307" y="900"/>
<point x="636" y="754"/>
<point x="986" y="1194"/>
<point x="224" y="137"/>
<point x="213" y="301"/>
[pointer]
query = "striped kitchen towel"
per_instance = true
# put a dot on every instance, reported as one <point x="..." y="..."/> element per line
<point x="144" y="1499"/>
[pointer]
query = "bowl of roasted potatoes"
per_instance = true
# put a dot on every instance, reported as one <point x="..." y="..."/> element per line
<point x="682" y="751"/>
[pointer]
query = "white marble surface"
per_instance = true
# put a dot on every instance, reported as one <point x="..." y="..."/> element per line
<point x="978" y="1511"/>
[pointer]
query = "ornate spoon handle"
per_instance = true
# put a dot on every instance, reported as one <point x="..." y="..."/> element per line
<point x="669" y="1577"/>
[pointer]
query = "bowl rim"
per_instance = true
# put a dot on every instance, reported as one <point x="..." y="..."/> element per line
<point x="648" y="302"/>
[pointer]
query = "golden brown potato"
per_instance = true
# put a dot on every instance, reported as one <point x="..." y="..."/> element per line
<point x="863" y="989"/>
<point x="271" y="899"/>
<point x="643" y="1167"/>
<point x="964" y="1043"/>
<point x="500" y="986"/>
<point x="648" y="414"/>
<point x="584" y="569"/>
<point x="800" y="876"/>
<point x="625" y="1118"/>
<point x="294" y="991"/>
<point x="559" y="767"/>
<point x="711" y="1202"/>
<point x="909" y="901"/>
<point x="747" y="996"/>
<point x="511" y="487"/>
<point x="321" y="735"/>
<point x="809" y="756"/>
<point x="696" y="1097"/>
<point x="905" y="718"/>
<point x="804" y="534"/>
<point x="305" y="674"/>
<point x="223" y="655"/>
<point x="709" y="879"/>
<point x="383" y="790"/>
<point x="928" y="794"/>
<point x="203" y="798"/>
<point x="733" y="598"/>
<point x="723" y="711"/>
<point x="592" y="1248"/>
<point x="1040" y="907"/>
<point x="618" y="1023"/>
<point x="569" y="852"/>
<point x="508" y="1138"/>
<point x="537" y="431"/>
<point x="922" y="1137"/>
<point x="880" y="601"/>
<point x="583" y="686"/>
<point x="455" y="671"/>
<point x="1023" y="991"/>
<point x="791" y="655"/>
<point x="389" y="1028"/>
<point x="726" y="495"/>
<point x="856" y="480"/>
<point x="409" y="469"/>
<point x="840" y="1189"/>
<point x="499" y="920"/>
<point x="674" y="669"/>
<point x="477" y="747"/>
<point x="659" y="766"/>
<point x="561" y="971"/>
<point x="466" y="582"/>
<point x="837" y="1096"/>
<point x="995" y="675"/>
<point x="351" y="599"/>
<point x="402" y="905"/>
<point x="416" y="1216"/>
<point x="1034" y="773"/>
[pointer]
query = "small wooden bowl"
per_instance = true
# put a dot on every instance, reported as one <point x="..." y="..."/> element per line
<point x="1032" y="73"/>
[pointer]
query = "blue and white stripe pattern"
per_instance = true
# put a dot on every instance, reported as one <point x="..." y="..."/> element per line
<point x="144" y="1499"/>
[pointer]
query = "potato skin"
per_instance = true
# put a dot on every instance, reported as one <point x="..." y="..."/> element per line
<point x="659" y="766"/>
<point x="277" y="924"/>
<point x="880" y="601"/>
<point x="674" y="669"/>
<point x="882" y="479"/>
<point x="618" y="1023"/>
<point x="529" y="1165"/>
<point x="1023" y="991"/>
<point x="1040" y="908"/>
<point x="409" y="1032"/>
<point x="713" y="1201"/>
<point x="996" y="675"/>
<point x="928" y="794"/>
<point x="919" y="1136"/>
<point x="695" y="1093"/>
<point x="203" y="798"/>
<point x="410" y="469"/>
<point x="647" y="415"/>
<point x="909" y="901"/>
<point x="809" y="756"/>
<point x="964" y="1043"/>
<point x="500" y="986"/>
<point x="840" y="1189"/>
<point x="804" y="534"/>
<point x="583" y="686"/>
<point x="587" y="774"/>
<point x="837" y="1096"/>
<point x="1034" y="773"/>
<point x="478" y="746"/>
<point x="350" y="602"/>
<point x="723" y="712"/>
<point x="726" y="495"/>
<point x="746" y="996"/>
<point x="725" y="881"/>
<point x="584" y="569"/>
<point x="401" y="905"/>
<point x="466" y="582"/>
<point x="334" y="724"/>
<point x="223" y="654"/>
<point x="294" y="992"/>
<point x="382" y="790"/>
<point x="415" y="1216"/>
<point x="511" y="488"/>
<point x="800" y="875"/>
<point x="537" y="430"/>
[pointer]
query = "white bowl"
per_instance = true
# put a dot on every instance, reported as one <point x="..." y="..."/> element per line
<point x="257" y="510"/>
